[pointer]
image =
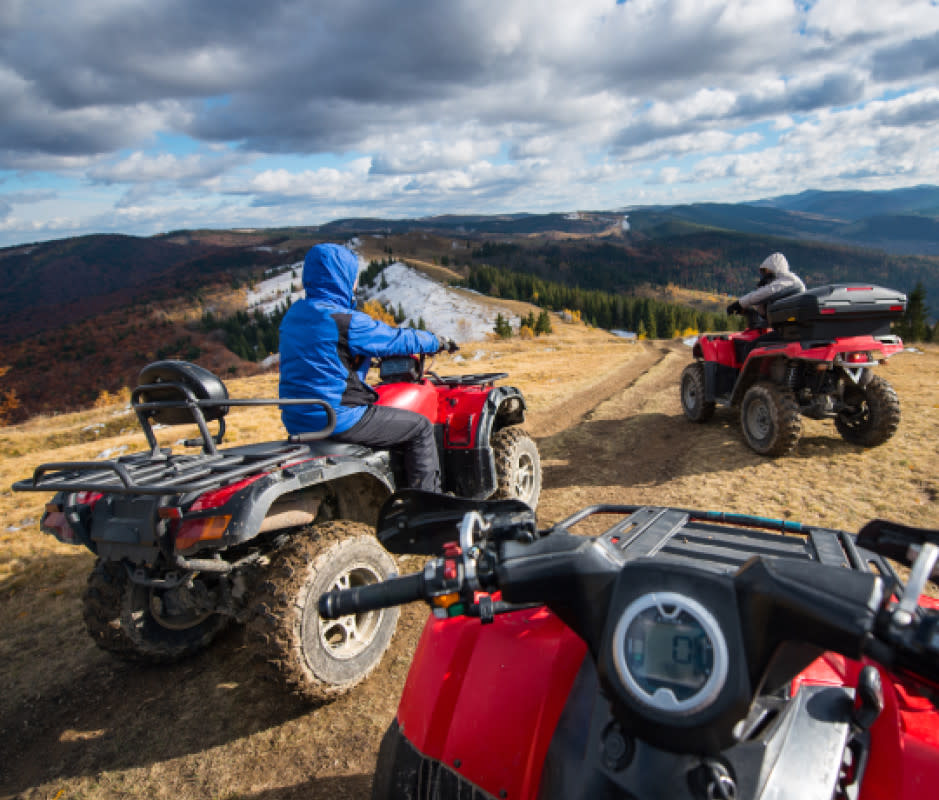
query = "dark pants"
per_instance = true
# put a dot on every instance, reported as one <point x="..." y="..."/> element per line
<point x="382" y="426"/>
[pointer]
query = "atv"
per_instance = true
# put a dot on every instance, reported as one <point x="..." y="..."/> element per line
<point x="189" y="541"/>
<point x="679" y="655"/>
<point x="813" y="356"/>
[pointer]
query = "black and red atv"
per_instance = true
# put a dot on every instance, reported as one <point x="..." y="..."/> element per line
<point x="188" y="541"/>
<point x="679" y="655"/>
<point x="813" y="356"/>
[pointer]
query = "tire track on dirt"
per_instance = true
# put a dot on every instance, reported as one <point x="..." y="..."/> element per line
<point x="565" y="415"/>
<point x="630" y="440"/>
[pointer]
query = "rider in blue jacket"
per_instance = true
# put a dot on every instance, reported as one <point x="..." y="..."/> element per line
<point x="326" y="347"/>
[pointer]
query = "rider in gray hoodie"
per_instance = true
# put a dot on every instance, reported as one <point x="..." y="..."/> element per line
<point x="776" y="280"/>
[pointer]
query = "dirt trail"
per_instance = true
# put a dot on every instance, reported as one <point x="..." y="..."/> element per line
<point x="576" y="407"/>
<point x="211" y="728"/>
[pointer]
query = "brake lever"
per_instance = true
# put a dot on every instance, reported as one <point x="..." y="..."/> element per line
<point x="924" y="566"/>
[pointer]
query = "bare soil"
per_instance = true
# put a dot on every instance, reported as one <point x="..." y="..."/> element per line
<point x="76" y="723"/>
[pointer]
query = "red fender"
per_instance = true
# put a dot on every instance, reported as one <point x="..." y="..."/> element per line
<point x="506" y="682"/>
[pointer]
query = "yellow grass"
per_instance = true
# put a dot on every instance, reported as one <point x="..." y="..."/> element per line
<point x="76" y="723"/>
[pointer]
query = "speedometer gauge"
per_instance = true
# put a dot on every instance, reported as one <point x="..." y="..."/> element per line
<point x="670" y="653"/>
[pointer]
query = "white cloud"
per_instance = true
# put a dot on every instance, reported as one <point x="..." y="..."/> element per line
<point x="294" y="110"/>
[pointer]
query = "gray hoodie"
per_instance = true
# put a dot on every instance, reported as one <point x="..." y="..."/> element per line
<point x="784" y="282"/>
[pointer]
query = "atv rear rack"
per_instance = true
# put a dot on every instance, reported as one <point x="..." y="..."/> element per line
<point x="179" y="393"/>
<point x="166" y="473"/>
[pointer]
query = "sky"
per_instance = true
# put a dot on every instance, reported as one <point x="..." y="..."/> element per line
<point x="143" y="116"/>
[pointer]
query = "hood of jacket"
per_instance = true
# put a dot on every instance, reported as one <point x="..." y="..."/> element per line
<point x="776" y="264"/>
<point x="329" y="273"/>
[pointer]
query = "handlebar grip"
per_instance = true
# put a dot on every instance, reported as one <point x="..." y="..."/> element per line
<point x="392" y="592"/>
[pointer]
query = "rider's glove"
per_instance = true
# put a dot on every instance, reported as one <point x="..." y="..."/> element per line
<point x="735" y="308"/>
<point x="447" y="345"/>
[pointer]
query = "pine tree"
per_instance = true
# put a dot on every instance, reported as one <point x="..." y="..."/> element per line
<point x="503" y="327"/>
<point x="913" y="327"/>
<point x="543" y="324"/>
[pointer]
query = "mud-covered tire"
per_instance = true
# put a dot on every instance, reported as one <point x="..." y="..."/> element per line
<point x="122" y="618"/>
<point x="318" y="659"/>
<point x="692" y="394"/>
<point x="518" y="466"/>
<point x="770" y="420"/>
<point x="877" y="417"/>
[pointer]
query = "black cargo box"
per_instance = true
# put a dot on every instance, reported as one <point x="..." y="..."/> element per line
<point x="837" y="310"/>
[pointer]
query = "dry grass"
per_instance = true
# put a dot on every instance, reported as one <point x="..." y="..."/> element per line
<point x="75" y="723"/>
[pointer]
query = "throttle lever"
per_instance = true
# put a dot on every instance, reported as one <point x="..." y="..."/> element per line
<point x="922" y="570"/>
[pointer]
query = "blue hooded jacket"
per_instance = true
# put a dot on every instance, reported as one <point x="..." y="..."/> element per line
<point x="326" y="346"/>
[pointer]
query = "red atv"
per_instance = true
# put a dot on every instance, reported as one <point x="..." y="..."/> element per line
<point x="188" y="541"/>
<point x="680" y="654"/>
<point x="814" y="357"/>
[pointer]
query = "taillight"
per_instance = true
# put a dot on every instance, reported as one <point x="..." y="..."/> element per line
<point x="200" y="530"/>
<point x="857" y="358"/>
<point x="87" y="498"/>
<point x="55" y="522"/>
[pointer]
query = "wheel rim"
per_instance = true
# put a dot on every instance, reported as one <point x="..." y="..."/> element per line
<point x="524" y="476"/>
<point x="759" y="420"/>
<point x="346" y="637"/>
<point x="690" y="395"/>
<point x="855" y="420"/>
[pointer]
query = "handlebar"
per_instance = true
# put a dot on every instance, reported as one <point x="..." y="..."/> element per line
<point x="791" y="589"/>
<point x="395" y="591"/>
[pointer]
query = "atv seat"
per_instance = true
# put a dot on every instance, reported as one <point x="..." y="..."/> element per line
<point x="755" y="319"/>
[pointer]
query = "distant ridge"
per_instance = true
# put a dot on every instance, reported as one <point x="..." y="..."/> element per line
<point x="892" y="236"/>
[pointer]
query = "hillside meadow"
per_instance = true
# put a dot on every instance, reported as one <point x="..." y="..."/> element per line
<point x="76" y="723"/>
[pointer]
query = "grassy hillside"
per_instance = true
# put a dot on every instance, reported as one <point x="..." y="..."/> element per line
<point x="76" y="723"/>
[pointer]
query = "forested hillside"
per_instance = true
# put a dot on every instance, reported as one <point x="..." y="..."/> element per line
<point x="712" y="261"/>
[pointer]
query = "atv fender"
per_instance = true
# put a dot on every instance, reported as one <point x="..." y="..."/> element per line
<point x="360" y="482"/>
<point x="471" y="470"/>
<point x="505" y="406"/>
<point x="758" y="364"/>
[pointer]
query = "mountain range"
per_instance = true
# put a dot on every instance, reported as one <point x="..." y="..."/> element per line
<point x="48" y="284"/>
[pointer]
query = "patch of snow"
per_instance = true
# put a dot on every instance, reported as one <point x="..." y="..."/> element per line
<point x="273" y="292"/>
<point x="624" y="334"/>
<point x="271" y="360"/>
<point x="97" y="427"/>
<point x="691" y="341"/>
<point x="625" y="222"/>
<point x="444" y="311"/>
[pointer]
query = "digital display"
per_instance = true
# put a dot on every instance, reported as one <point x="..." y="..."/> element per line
<point x="672" y="652"/>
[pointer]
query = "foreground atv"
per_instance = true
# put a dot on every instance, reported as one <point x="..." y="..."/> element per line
<point x="816" y="360"/>
<point x="187" y="542"/>
<point x="681" y="654"/>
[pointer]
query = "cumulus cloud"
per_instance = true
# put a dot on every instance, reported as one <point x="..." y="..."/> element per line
<point x="418" y="106"/>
